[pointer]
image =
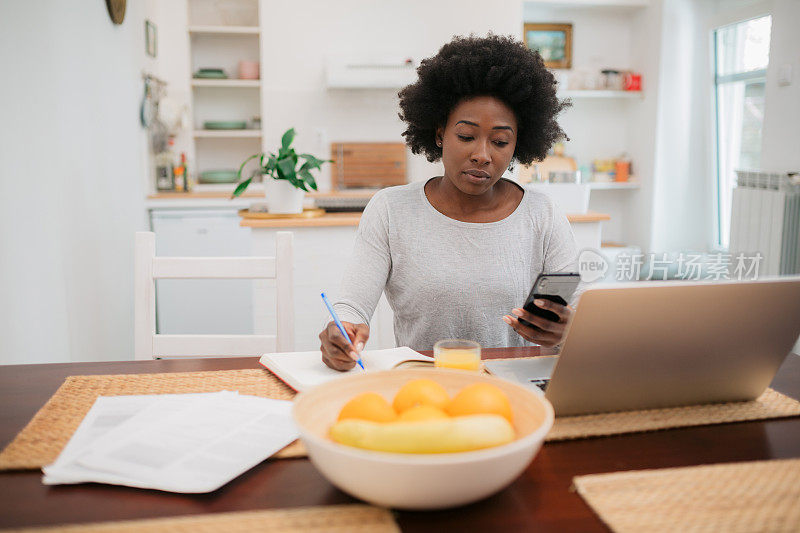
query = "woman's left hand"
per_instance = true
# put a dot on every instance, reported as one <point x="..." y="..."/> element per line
<point x="544" y="332"/>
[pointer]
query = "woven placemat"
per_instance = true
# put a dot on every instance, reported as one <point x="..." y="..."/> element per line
<point x="332" y="519"/>
<point x="737" y="497"/>
<point x="40" y="442"/>
<point x="770" y="404"/>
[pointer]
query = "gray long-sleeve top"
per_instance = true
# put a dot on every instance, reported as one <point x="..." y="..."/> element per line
<point x="445" y="278"/>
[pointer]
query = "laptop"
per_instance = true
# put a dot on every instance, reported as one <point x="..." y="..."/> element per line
<point x="646" y="345"/>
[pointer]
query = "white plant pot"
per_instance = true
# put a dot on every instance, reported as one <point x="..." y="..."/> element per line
<point x="283" y="197"/>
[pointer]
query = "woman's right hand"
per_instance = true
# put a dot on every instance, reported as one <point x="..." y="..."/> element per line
<point x="336" y="351"/>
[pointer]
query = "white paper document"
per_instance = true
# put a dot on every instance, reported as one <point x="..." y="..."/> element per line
<point x="173" y="442"/>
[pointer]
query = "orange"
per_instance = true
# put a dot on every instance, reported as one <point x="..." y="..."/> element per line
<point x="420" y="392"/>
<point x="478" y="399"/>
<point x="368" y="406"/>
<point x="422" y="412"/>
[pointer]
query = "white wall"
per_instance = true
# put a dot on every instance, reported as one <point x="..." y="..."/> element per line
<point x="781" y="134"/>
<point x="646" y="41"/>
<point x="71" y="193"/>
<point x="295" y="49"/>
<point x="683" y="194"/>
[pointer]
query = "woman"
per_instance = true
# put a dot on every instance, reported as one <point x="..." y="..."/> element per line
<point x="459" y="253"/>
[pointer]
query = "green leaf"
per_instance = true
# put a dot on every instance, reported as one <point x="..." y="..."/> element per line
<point x="308" y="178"/>
<point x="243" y="184"/>
<point x="240" y="188"/>
<point x="311" y="161"/>
<point x="272" y="163"/>
<point x="317" y="160"/>
<point x="294" y="180"/>
<point x="239" y="174"/>
<point x="309" y="165"/>
<point x="286" y="168"/>
<point x="287" y="138"/>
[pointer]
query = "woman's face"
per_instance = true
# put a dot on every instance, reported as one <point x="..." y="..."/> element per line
<point x="477" y="143"/>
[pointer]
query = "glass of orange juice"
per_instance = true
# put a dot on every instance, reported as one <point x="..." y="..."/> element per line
<point x="457" y="353"/>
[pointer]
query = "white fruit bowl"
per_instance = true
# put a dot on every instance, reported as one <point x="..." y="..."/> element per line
<point x="418" y="481"/>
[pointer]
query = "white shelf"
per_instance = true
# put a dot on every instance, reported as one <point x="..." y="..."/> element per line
<point x="614" y="185"/>
<point x="224" y="30"/>
<point x="225" y="187"/>
<point x="227" y="134"/>
<point x="196" y="82"/>
<point x="577" y="95"/>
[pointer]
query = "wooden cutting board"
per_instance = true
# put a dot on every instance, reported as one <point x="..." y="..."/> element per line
<point x="550" y="163"/>
<point x="368" y="164"/>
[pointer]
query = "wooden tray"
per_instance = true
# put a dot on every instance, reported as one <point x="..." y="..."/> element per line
<point x="307" y="213"/>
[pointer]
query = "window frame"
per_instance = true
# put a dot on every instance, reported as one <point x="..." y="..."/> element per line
<point x="717" y="80"/>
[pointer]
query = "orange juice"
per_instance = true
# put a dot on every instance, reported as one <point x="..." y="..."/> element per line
<point x="455" y="353"/>
<point x="461" y="359"/>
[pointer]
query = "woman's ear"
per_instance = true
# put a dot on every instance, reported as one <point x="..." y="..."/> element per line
<point x="439" y="136"/>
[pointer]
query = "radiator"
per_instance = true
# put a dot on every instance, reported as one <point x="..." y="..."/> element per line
<point x="765" y="219"/>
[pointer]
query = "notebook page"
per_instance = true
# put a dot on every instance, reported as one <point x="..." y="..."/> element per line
<point x="303" y="370"/>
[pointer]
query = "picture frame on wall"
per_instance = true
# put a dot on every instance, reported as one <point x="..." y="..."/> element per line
<point x="150" y="38"/>
<point x="553" y="42"/>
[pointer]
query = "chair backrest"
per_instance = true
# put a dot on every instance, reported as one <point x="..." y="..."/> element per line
<point x="149" y="268"/>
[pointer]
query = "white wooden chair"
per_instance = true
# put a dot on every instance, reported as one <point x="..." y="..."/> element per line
<point x="148" y="268"/>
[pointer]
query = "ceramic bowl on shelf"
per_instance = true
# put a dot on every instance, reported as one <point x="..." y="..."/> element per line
<point x="225" y="124"/>
<point x="249" y="70"/>
<point x="418" y="481"/>
<point x="210" y="73"/>
<point x="218" y="176"/>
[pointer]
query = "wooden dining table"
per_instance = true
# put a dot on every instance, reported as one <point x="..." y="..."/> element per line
<point x="541" y="499"/>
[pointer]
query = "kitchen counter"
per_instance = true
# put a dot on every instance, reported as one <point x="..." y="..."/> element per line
<point x="351" y="219"/>
<point x="326" y="220"/>
<point x="204" y="195"/>
<point x="221" y="198"/>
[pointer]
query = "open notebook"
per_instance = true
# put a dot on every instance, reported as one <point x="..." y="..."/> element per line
<point x="303" y="370"/>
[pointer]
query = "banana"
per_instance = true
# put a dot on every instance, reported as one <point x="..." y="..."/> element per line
<point x="457" y="434"/>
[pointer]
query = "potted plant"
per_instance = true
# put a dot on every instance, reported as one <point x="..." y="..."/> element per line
<point x="285" y="183"/>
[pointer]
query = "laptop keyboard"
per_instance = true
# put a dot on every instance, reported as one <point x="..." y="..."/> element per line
<point x="541" y="383"/>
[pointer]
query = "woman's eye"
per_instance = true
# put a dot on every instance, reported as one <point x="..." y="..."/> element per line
<point x="501" y="143"/>
<point x="465" y="137"/>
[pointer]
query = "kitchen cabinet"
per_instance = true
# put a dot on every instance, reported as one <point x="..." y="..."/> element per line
<point x="321" y="254"/>
<point x="202" y="306"/>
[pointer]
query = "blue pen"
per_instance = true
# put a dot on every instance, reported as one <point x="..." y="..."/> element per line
<point x="341" y="327"/>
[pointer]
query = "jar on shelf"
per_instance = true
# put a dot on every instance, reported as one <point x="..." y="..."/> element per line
<point x="611" y="79"/>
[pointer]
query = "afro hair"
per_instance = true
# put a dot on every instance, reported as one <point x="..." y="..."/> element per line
<point x="496" y="66"/>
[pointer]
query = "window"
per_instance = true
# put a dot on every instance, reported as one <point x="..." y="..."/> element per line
<point x="741" y="53"/>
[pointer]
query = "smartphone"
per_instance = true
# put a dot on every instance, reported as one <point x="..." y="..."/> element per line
<point x="557" y="287"/>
